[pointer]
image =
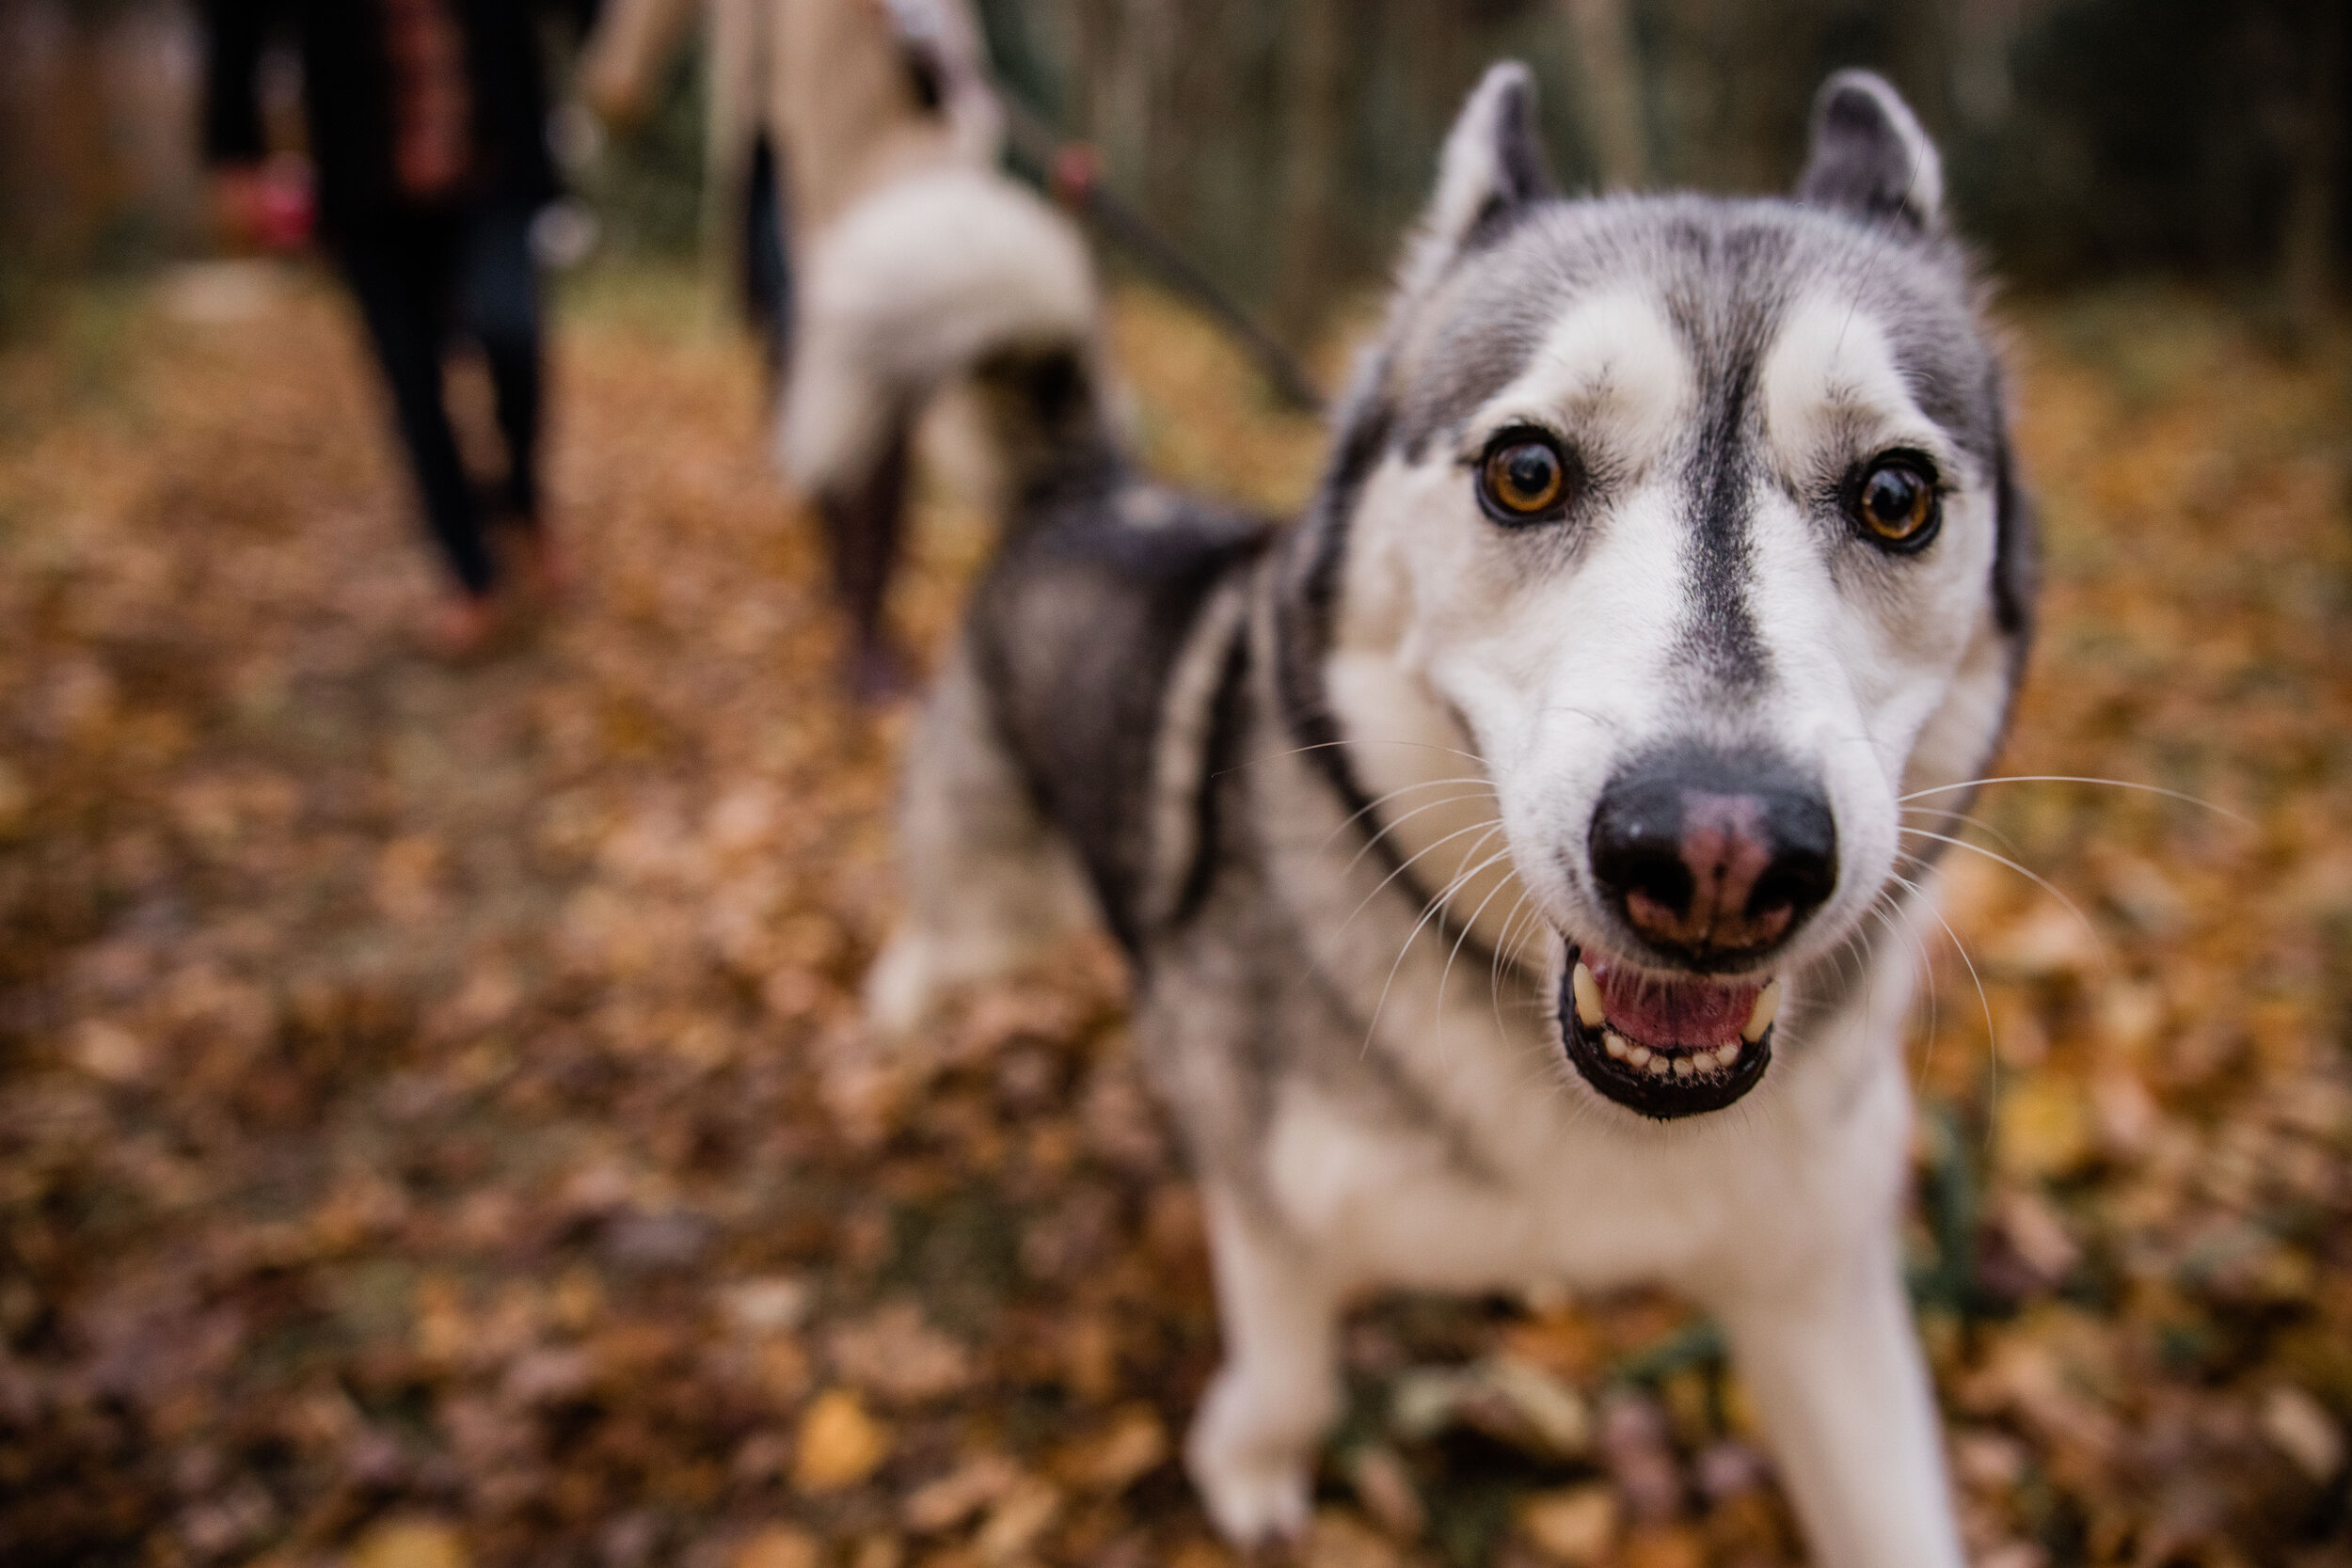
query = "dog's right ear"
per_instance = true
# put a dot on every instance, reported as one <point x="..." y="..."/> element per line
<point x="1493" y="164"/>
<point x="1869" y="158"/>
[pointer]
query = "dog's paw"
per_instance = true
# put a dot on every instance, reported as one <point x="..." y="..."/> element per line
<point x="902" y="987"/>
<point x="1257" y="1492"/>
<point x="1261" y="1504"/>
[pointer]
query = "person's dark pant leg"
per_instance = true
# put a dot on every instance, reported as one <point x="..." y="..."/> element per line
<point x="499" y="297"/>
<point x="862" y="529"/>
<point x="767" y="264"/>
<point x="401" y="273"/>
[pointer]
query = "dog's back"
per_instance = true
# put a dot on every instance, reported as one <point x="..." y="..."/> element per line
<point x="1077" y="631"/>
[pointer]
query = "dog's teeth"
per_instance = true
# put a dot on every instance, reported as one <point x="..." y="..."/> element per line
<point x="1637" y="1055"/>
<point x="1728" y="1054"/>
<point x="1684" y="1067"/>
<point x="1767" y="1010"/>
<point x="1589" y="1011"/>
<point x="1657" y="1067"/>
<point x="1616" y="1043"/>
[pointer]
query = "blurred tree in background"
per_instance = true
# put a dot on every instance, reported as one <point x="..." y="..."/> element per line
<point x="1284" y="143"/>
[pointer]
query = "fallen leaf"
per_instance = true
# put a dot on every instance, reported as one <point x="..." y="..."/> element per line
<point x="409" y="1544"/>
<point x="1575" y="1526"/>
<point x="2302" y="1429"/>
<point x="776" y="1305"/>
<point x="1670" y="1546"/>
<point x="1016" y="1521"/>
<point x="1132" y="1445"/>
<point x="777" y="1546"/>
<point x="1337" y="1540"/>
<point x="2044" y="1131"/>
<point x="1385" y="1487"/>
<point x="894" y="1354"/>
<point x="948" y="1501"/>
<point x="1506" y="1398"/>
<point x="839" y="1443"/>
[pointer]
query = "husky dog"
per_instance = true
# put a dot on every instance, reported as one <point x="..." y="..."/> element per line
<point x="915" y="282"/>
<point x="1510" y="852"/>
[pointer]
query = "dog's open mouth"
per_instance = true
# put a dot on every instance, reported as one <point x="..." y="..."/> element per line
<point x="1664" y="1046"/>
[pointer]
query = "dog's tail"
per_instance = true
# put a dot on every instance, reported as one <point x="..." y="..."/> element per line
<point x="933" y="278"/>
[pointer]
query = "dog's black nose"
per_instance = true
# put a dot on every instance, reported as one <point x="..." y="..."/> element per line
<point x="1713" y="857"/>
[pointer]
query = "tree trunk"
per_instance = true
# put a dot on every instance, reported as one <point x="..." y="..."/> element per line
<point x="2307" y="245"/>
<point x="1313" y="119"/>
<point x="1610" y="97"/>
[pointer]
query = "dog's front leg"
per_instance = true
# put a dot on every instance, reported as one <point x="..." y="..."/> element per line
<point x="1833" y="1366"/>
<point x="989" y="885"/>
<point x="1253" y="1444"/>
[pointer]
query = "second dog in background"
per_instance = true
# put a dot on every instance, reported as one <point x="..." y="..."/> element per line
<point x="910" y="257"/>
<point x="1510" y="852"/>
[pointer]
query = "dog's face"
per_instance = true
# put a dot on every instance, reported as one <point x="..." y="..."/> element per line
<point x="1692" y="521"/>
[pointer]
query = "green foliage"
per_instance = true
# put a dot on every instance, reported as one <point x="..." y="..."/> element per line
<point x="647" y="182"/>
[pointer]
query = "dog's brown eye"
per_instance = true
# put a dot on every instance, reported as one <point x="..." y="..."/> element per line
<point x="1523" y="477"/>
<point x="1897" y="503"/>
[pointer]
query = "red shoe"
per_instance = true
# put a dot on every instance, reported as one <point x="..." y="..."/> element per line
<point x="461" y="626"/>
<point x="544" y="564"/>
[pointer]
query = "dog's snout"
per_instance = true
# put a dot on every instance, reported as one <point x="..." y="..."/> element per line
<point x="1713" y="858"/>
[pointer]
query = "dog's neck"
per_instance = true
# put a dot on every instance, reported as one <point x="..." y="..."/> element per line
<point x="1404" y="770"/>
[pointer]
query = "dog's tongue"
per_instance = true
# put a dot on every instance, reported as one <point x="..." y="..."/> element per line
<point x="1659" y="1012"/>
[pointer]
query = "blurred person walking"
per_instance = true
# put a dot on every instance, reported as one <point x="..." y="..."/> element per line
<point x="848" y="108"/>
<point x="426" y="127"/>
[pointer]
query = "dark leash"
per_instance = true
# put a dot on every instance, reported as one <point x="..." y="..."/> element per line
<point x="1073" y="173"/>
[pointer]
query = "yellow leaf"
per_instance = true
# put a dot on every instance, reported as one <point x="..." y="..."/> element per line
<point x="840" y="1444"/>
<point x="409" y="1544"/>
<point x="1339" y="1539"/>
<point x="1132" y="1446"/>
<point x="1663" y="1547"/>
<point x="2045" y="1127"/>
<point x="1574" y="1525"/>
<point x="777" y="1546"/>
<point x="1015" y="1523"/>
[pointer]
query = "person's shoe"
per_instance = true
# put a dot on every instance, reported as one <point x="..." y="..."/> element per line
<point x="544" y="564"/>
<point x="461" y="626"/>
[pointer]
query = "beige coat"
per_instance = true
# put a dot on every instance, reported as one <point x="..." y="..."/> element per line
<point x="827" y="79"/>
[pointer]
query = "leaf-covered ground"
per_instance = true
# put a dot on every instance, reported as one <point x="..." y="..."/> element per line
<point x="434" y="1127"/>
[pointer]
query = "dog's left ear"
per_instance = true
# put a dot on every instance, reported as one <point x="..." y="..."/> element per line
<point x="1870" y="157"/>
<point x="1493" y="165"/>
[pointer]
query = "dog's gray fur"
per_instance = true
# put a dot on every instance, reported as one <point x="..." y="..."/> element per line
<point x="1226" y="732"/>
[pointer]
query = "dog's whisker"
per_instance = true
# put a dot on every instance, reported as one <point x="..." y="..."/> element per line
<point x="1481" y="787"/>
<point x="1490" y="829"/>
<point x="1602" y="719"/>
<point x="1330" y="745"/>
<point x="1371" y="841"/>
<point x="1993" y="1049"/>
<point x="1503" y="942"/>
<point x="1534" y="933"/>
<point x="1436" y="904"/>
<point x="1937" y="812"/>
<point x="2038" y="880"/>
<point x="2070" y="778"/>
<point x="1885" y="909"/>
<point x="1468" y="927"/>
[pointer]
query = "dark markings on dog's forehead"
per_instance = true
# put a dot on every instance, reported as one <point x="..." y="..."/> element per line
<point x="1716" y="267"/>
